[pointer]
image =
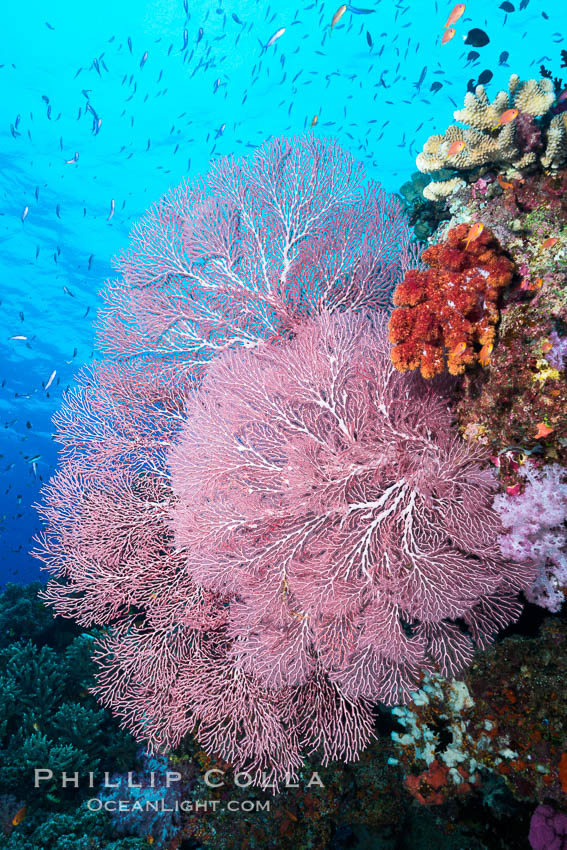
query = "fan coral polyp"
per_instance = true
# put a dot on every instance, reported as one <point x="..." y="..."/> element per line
<point x="450" y="310"/>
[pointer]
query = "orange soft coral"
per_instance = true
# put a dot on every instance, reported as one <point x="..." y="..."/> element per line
<point x="450" y="309"/>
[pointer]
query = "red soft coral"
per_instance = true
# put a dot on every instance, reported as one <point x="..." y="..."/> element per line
<point x="451" y="308"/>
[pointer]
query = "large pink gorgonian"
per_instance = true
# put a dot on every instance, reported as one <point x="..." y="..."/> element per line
<point x="242" y="256"/>
<point x="331" y="501"/>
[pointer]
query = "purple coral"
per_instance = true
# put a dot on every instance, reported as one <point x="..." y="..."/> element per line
<point x="558" y="354"/>
<point x="528" y="133"/>
<point x="535" y="531"/>
<point x="548" y="829"/>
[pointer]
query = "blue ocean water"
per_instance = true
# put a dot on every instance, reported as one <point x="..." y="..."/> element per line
<point x="104" y="107"/>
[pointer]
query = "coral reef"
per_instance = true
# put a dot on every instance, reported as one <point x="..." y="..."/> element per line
<point x="49" y="719"/>
<point x="514" y="133"/>
<point x="78" y="829"/>
<point x="505" y="718"/>
<point x="243" y="263"/>
<point x="312" y="813"/>
<point x="314" y="485"/>
<point x="446" y="314"/>
<point x="424" y="215"/>
<point x="518" y="406"/>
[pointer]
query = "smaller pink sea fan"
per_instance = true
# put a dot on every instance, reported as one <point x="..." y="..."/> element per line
<point x="536" y="533"/>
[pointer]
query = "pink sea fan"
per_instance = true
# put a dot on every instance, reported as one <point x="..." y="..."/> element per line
<point x="243" y="254"/>
<point x="536" y="531"/>
<point x="340" y="527"/>
<point x="329" y="498"/>
<point x="235" y="260"/>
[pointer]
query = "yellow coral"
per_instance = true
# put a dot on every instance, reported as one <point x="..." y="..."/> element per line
<point x="489" y="143"/>
<point x="556" y="151"/>
<point x="546" y="372"/>
<point x="440" y="189"/>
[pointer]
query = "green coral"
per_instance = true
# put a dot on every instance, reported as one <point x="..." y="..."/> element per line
<point x="49" y="719"/>
<point x="80" y="829"/>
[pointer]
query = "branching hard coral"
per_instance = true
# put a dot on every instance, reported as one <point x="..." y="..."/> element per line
<point x="536" y="531"/>
<point x="492" y="138"/>
<point x="450" y="310"/>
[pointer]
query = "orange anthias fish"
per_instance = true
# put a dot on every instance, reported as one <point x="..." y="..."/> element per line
<point x="338" y="15"/>
<point x="474" y="233"/>
<point x="459" y="349"/>
<point x="19" y="816"/>
<point x="547" y="346"/>
<point x="504" y="183"/>
<point x="484" y="356"/>
<point x="448" y="35"/>
<point x="456" y="147"/>
<point x="549" y="243"/>
<point x="458" y="10"/>
<point x="506" y="117"/>
<point x="314" y="121"/>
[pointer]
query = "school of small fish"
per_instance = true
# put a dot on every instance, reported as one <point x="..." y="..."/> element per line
<point x="114" y="118"/>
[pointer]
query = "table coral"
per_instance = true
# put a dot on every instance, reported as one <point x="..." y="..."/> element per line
<point x="533" y="139"/>
<point x="452" y="303"/>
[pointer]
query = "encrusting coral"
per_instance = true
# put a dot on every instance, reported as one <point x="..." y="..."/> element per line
<point x="450" y="309"/>
<point x="514" y="132"/>
<point x="504" y="720"/>
<point x="518" y="405"/>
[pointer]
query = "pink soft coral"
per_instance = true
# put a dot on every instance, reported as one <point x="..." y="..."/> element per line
<point x="536" y="534"/>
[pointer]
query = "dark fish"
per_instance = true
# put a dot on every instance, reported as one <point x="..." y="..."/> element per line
<point x="369" y="39"/>
<point x="507" y="7"/>
<point x="421" y="77"/>
<point x="472" y="56"/>
<point x="503" y="57"/>
<point x="144" y="59"/>
<point x="48" y="25"/>
<point x="129" y="44"/>
<point x="477" y="38"/>
<point x="236" y="19"/>
<point x="485" y="78"/>
<point x="435" y="87"/>
<point x="354" y="11"/>
<point x="200" y="34"/>
<point x="524" y="3"/>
